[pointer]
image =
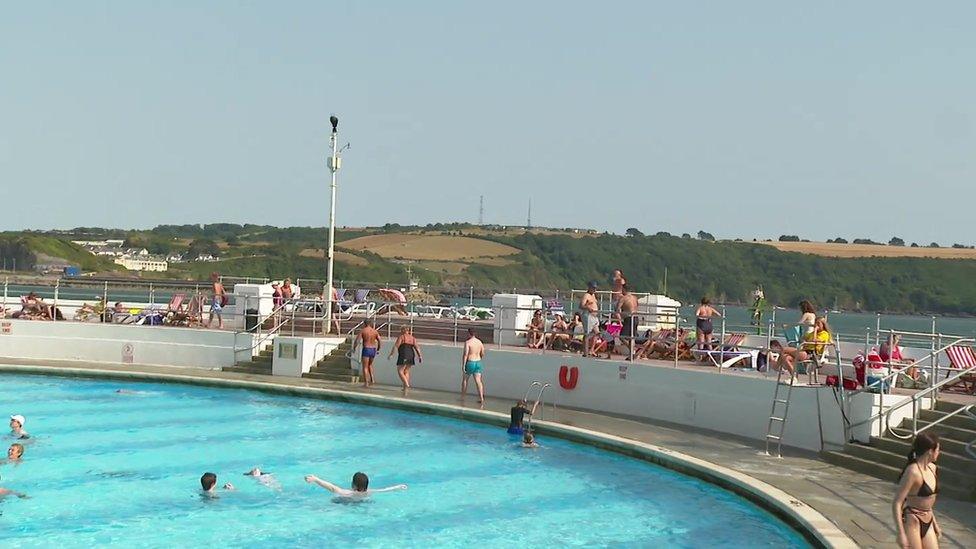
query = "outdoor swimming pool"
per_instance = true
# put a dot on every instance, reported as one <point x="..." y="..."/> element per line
<point x="106" y="468"/>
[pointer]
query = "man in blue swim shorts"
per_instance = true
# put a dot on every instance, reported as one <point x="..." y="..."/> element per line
<point x="369" y="338"/>
<point x="474" y="352"/>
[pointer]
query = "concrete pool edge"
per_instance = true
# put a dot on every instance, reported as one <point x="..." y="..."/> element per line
<point x="813" y="525"/>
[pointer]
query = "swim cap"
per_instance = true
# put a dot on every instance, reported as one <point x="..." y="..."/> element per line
<point x="19" y="419"/>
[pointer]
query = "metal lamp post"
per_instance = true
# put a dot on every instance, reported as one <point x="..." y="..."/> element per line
<point x="335" y="162"/>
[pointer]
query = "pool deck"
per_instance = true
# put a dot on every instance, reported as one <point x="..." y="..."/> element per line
<point x="859" y="505"/>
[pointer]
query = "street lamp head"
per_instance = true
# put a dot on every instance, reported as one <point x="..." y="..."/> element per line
<point x="335" y="123"/>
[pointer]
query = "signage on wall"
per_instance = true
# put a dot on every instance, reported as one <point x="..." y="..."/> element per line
<point x="623" y="371"/>
<point x="568" y="377"/>
<point x="6" y="327"/>
<point x="127" y="352"/>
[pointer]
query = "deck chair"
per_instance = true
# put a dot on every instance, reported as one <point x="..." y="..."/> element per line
<point x="962" y="357"/>
<point x="793" y="336"/>
<point x="728" y="353"/>
<point x="175" y="313"/>
<point x="194" y="310"/>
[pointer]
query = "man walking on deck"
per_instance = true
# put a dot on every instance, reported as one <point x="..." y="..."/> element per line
<point x="474" y="352"/>
<point x="369" y="338"/>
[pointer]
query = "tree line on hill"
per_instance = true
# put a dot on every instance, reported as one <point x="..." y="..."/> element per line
<point x="730" y="271"/>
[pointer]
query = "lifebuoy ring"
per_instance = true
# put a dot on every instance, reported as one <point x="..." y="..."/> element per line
<point x="568" y="377"/>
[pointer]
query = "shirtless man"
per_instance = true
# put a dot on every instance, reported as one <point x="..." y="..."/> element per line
<point x="208" y="485"/>
<point x="360" y="487"/>
<point x="589" y="312"/>
<point x="371" y="343"/>
<point x="617" y="282"/>
<point x="474" y="352"/>
<point x="627" y="306"/>
<point x="15" y="453"/>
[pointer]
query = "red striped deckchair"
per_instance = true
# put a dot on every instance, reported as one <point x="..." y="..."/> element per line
<point x="962" y="357"/>
<point x="729" y="353"/>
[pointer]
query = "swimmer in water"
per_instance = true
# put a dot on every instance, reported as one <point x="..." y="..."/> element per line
<point x="4" y="492"/>
<point x="528" y="441"/>
<point x="360" y="486"/>
<point x="15" y="453"/>
<point x="209" y="484"/>
<point x="17" y="427"/>
<point x="264" y="478"/>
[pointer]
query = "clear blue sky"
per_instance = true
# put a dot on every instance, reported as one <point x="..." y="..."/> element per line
<point x="746" y="119"/>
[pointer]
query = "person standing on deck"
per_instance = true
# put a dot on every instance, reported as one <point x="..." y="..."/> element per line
<point x="627" y="306"/>
<point x="617" y="282"/>
<point x="287" y="292"/>
<point x="474" y="352"/>
<point x="370" y="340"/>
<point x="589" y="311"/>
<point x="218" y="300"/>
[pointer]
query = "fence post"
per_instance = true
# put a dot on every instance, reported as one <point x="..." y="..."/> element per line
<point x="677" y="339"/>
<point x="877" y="330"/>
<point x="151" y="296"/>
<point x="6" y="282"/>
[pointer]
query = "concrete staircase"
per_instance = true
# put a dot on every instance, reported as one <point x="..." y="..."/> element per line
<point x="335" y="366"/>
<point x="260" y="364"/>
<point x="885" y="457"/>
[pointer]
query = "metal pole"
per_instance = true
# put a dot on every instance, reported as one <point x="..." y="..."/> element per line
<point x="335" y="162"/>
<point x="151" y="296"/>
<point x="877" y="330"/>
<point x="721" y="343"/>
<point x="677" y="338"/>
<point x="6" y="281"/>
<point x="54" y="309"/>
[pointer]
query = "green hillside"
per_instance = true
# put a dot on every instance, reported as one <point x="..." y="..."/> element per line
<point x="547" y="260"/>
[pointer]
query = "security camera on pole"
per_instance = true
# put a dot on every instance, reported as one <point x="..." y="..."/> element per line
<point x="335" y="162"/>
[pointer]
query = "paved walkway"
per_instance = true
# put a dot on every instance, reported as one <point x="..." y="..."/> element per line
<point x="860" y="505"/>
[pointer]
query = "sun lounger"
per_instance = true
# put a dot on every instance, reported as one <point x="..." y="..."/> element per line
<point x="729" y="354"/>
<point x="962" y="357"/>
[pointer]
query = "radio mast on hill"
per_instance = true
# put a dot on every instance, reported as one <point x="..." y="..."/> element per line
<point x="528" y="220"/>
<point x="481" y="211"/>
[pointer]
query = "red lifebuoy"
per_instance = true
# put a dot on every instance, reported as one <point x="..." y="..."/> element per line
<point x="568" y="377"/>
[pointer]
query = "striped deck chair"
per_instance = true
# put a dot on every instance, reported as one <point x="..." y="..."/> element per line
<point x="962" y="357"/>
<point x="729" y="354"/>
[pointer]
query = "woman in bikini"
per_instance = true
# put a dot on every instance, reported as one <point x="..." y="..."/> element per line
<point x="408" y="354"/>
<point x="914" y="501"/>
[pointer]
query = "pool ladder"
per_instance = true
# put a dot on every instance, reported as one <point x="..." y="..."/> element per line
<point x="539" y="403"/>
<point x="777" y="424"/>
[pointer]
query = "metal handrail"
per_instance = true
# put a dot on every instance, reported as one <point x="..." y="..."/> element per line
<point x="916" y="430"/>
<point x="914" y="399"/>
<point x="896" y="373"/>
<point x="971" y="447"/>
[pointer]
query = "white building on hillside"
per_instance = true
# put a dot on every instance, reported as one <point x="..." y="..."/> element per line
<point x="140" y="263"/>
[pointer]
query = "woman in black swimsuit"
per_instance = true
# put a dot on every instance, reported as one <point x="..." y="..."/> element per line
<point x="914" y="501"/>
<point x="408" y="353"/>
<point x="703" y="323"/>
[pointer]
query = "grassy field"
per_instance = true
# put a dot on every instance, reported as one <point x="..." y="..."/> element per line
<point x="871" y="250"/>
<point x="341" y="257"/>
<point x="427" y="247"/>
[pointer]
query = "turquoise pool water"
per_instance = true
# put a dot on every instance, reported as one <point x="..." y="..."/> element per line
<point x="105" y="468"/>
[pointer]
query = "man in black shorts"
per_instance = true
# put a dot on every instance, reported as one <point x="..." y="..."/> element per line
<point x="627" y="307"/>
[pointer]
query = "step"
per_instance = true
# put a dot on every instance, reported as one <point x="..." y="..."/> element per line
<point x="953" y="456"/>
<point x="247" y="370"/>
<point x="945" y="406"/>
<point x="332" y="377"/>
<point x="960" y="471"/>
<point x="944" y="430"/>
<point x="890" y="474"/>
<point x="262" y="359"/>
<point x="336" y="371"/>
<point x="960" y="420"/>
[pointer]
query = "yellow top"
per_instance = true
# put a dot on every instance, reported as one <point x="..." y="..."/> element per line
<point x="816" y="341"/>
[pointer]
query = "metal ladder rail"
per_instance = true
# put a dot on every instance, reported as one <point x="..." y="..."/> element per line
<point x="971" y="447"/>
<point x="528" y="389"/>
<point x="539" y="405"/>
<point x="774" y="419"/>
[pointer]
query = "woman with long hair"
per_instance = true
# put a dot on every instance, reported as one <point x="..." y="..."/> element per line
<point x="808" y="317"/>
<point x="914" y="501"/>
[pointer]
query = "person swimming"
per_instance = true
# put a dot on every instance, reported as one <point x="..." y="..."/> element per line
<point x="17" y="427"/>
<point x="264" y="478"/>
<point x="209" y="484"/>
<point x="4" y="492"/>
<point x="15" y="452"/>
<point x="528" y="441"/>
<point x="360" y="486"/>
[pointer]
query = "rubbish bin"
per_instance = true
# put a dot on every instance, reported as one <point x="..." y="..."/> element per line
<point x="250" y="319"/>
